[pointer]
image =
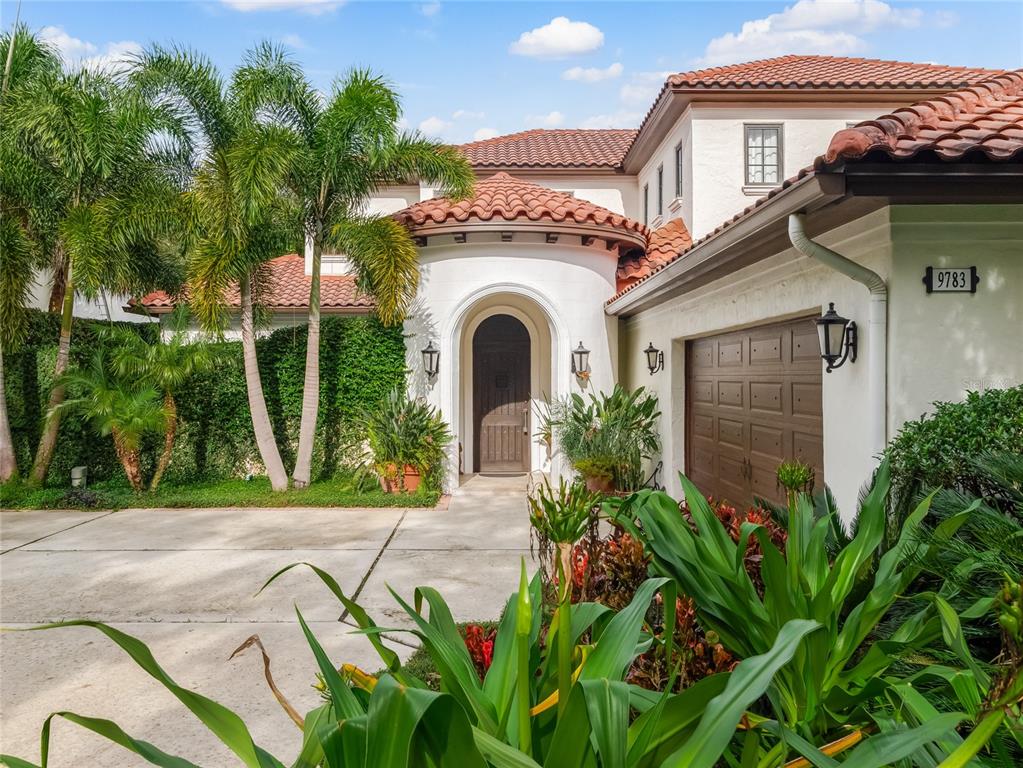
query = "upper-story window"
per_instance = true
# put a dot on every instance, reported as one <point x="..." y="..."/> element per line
<point x="646" y="203"/>
<point x="660" y="190"/>
<point x="678" y="170"/>
<point x="763" y="154"/>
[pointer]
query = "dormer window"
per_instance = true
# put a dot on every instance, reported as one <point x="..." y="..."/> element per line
<point x="763" y="155"/>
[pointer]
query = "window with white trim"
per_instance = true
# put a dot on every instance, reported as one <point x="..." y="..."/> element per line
<point x="678" y="169"/>
<point x="763" y="155"/>
<point x="646" y="203"/>
<point x="660" y="190"/>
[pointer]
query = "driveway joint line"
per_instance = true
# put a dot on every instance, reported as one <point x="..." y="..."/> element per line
<point x="62" y="530"/>
<point x="373" y="565"/>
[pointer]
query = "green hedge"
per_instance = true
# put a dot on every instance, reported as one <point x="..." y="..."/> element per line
<point x="360" y="361"/>
<point x="935" y="451"/>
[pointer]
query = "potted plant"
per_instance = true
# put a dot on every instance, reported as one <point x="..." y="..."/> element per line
<point x="607" y="437"/>
<point x="407" y="439"/>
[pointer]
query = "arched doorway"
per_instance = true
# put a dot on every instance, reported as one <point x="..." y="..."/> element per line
<point x="500" y="394"/>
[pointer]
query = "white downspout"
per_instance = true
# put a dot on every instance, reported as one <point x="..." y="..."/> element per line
<point x="877" y="331"/>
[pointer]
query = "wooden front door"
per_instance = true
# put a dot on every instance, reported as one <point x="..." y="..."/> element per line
<point x="500" y="358"/>
<point x="753" y="400"/>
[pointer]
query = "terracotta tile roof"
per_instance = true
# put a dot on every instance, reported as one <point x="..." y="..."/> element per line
<point x="288" y="288"/>
<point x="540" y="148"/>
<point x="981" y="121"/>
<point x="505" y="198"/>
<point x="829" y="72"/>
<point x="985" y="119"/>
<point x="663" y="245"/>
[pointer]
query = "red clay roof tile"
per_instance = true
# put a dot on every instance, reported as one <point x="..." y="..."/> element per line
<point x="663" y="245"/>
<point x="541" y="148"/>
<point x="506" y="198"/>
<point x="287" y="288"/>
<point x="985" y="119"/>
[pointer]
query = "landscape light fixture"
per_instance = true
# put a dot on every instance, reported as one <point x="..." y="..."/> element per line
<point x="837" y="338"/>
<point x="654" y="359"/>
<point x="431" y="360"/>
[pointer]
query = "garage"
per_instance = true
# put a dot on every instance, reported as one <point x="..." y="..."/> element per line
<point x="753" y="401"/>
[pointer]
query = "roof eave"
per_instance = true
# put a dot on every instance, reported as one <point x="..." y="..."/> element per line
<point x="812" y="190"/>
<point x="604" y="232"/>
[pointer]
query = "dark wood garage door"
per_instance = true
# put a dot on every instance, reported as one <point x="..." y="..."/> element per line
<point x="754" y="401"/>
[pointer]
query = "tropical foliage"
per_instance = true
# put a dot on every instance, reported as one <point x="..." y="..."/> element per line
<point x="404" y="431"/>
<point x="89" y="191"/>
<point x="607" y="436"/>
<point x="348" y="146"/>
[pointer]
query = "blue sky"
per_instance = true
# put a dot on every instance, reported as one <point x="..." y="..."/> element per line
<point x="475" y="69"/>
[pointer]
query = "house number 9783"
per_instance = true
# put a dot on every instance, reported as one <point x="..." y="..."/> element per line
<point x="951" y="279"/>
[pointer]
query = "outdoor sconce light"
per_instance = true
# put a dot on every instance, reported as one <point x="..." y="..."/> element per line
<point x="431" y="360"/>
<point x="581" y="361"/>
<point x="837" y="338"/>
<point x="654" y="359"/>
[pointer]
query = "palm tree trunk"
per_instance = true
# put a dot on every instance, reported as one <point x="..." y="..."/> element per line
<point x="171" y="409"/>
<point x="129" y="461"/>
<point x="48" y="441"/>
<point x="8" y="461"/>
<point x="311" y="388"/>
<point x="59" y="287"/>
<point x="261" y="426"/>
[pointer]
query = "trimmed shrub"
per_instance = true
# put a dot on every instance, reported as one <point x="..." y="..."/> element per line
<point x="937" y="450"/>
<point x="360" y="362"/>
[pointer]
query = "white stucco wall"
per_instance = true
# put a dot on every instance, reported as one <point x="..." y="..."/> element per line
<point x="563" y="285"/>
<point x="664" y="155"/>
<point x="718" y="151"/>
<point x="939" y="346"/>
<point x="785" y="286"/>
<point x="106" y="306"/>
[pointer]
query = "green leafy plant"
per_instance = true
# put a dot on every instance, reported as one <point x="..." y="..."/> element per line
<point x="842" y="671"/>
<point x="125" y="409"/>
<point x="508" y="719"/>
<point x="404" y="431"/>
<point x="562" y="518"/>
<point x="795" y="476"/>
<point x="608" y="434"/>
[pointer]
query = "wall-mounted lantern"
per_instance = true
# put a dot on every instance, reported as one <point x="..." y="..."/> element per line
<point x="581" y="361"/>
<point x="654" y="359"/>
<point x="837" y="338"/>
<point x="431" y="360"/>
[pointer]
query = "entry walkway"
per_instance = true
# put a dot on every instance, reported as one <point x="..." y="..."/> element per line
<point x="184" y="581"/>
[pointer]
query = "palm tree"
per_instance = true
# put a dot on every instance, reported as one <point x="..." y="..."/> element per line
<point x="92" y="170"/>
<point x="167" y="365"/>
<point x="26" y="58"/>
<point x="239" y="216"/>
<point x="351" y="146"/>
<point x="114" y="406"/>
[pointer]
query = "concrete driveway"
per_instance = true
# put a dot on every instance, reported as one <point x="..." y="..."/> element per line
<point x="184" y="582"/>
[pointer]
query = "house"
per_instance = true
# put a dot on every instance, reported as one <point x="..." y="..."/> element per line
<point x="750" y="198"/>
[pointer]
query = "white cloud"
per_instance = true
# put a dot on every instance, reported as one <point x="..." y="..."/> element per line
<point x="429" y="9"/>
<point x="622" y="118"/>
<point x="643" y="87"/>
<point x="482" y="134"/>
<point x="809" y="26"/>
<point x="557" y="39"/>
<point x="314" y="7"/>
<point x="465" y="114"/>
<point x="550" y="120"/>
<point x="81" y="53"/>
<point x="293" y="40"/>
<point x="434" y="126"/>
<point x="593" y="74"/>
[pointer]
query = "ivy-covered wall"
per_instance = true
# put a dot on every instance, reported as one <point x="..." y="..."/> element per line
<point x="360" y="361"/>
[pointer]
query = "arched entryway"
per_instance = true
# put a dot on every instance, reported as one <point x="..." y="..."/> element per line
<point x="501" y="397"/>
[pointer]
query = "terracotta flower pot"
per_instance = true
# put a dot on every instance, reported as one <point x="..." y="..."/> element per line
<point x="599" y="484"/>
<point x="410" y="477"/>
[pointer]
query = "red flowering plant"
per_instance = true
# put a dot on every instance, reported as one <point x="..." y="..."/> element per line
<point x="480" y="644"/>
